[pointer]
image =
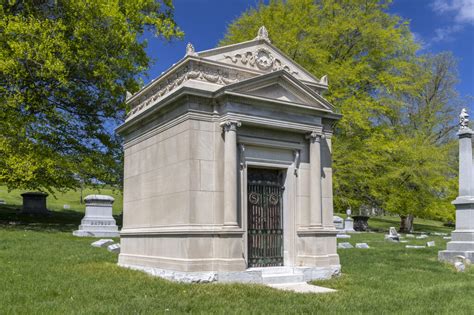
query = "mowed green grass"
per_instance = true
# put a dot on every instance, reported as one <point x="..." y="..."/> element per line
<point x="71" y="198"/>
<point x="45" y="270"/>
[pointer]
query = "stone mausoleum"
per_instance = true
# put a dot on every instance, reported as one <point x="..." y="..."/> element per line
<point x="228" y="169"/>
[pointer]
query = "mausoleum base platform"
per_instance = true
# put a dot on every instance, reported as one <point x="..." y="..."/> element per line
<point x="265" y="275"/>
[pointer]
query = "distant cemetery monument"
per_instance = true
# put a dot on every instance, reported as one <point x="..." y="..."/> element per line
<point x="462" y="238"/>
<point x="98" y="220"/>
<point x="34" y="203"/>
<point x="228" y="169"/>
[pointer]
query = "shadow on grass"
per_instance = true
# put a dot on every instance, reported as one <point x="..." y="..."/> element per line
<point x="54" y="221"/>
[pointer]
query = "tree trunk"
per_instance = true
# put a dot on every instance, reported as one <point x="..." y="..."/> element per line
<point x="406" y="223"/>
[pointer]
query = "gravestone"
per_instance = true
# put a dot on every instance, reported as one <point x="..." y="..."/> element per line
<point x="2" y="202"/>
<point x="349" y="222"/>
<point x="392" y="234"/>
<point x="34" y="203"/>
<point x="414" y="246"/>
<point x="431" y="244"/>
<point x="362" y="245"/>
<point x="343" y="236"/>
<point x="102" y="243"/>
<point x="422" y="236"/>
<point x="338" y="222"/>
<point x="98" y="221"/>
<point x="361" y="223"/>
<point x="114" y="248"/>
<point x="462" y="243"/>
<point x="344" y="245"/>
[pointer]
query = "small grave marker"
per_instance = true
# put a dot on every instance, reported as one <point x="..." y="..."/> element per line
<point x="344" y="245"/>
<point x="102" y="243"/>
<point x="114" y="248"/>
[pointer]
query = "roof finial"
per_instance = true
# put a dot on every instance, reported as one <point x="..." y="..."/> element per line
<point x="190" y="50"/>
<point x="128" y="95"/>
<point x="262" y="34"/>
<point x="463" y="119"/>
<point x="324" y="80"/>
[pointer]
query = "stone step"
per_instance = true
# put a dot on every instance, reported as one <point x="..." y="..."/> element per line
<point x="281" y="278"/>
<point x="274" y="270"/>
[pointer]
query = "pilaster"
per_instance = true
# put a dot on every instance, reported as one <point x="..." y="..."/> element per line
<point x="230" y="173"/>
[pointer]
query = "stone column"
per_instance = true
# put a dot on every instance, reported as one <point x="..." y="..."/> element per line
<point x="315" y="201"/>
<point x="230" y="173"/>
<point x="462" y="239"/>
<point x="465" y="163"/>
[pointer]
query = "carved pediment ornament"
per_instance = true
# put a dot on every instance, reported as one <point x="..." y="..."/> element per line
<point x="261" y="58"/>
<point x="194" y="72"/>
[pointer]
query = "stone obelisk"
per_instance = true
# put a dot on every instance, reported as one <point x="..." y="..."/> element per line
<point x="462" y="238"/>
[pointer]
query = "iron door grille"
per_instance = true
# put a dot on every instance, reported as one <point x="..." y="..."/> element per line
<point x="265" y="226"/>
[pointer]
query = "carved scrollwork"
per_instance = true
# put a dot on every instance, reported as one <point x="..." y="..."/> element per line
<point x="262" y="58"/>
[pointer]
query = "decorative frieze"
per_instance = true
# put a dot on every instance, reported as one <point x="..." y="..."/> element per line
<point x="190" y="71"/>
<point x="261" y="58"/>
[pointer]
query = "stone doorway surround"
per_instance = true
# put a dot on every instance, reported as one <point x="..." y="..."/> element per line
<point x="191" y="136"/>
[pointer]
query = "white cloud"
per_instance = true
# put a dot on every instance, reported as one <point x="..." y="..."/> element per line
<point x="463" y="10"/>
<point x="445" y="33"/>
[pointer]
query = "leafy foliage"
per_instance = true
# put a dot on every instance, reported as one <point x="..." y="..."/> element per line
<point x="392" y="148"/>
<point x="64" y="69"/>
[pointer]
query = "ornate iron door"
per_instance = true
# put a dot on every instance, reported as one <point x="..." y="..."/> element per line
<point x="265" y="218"/>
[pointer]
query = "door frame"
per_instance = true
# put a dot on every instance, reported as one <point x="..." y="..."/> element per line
<point x="289" y="206"/>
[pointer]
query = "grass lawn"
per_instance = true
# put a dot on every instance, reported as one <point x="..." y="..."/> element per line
<point x="44" y="269"/>
<point x="71" y="198"/>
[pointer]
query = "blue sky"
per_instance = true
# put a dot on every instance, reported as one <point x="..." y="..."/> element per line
<point x="439" y="25"/>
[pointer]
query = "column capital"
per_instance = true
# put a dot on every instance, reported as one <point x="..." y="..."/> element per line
<point x="314" y="136"/>
<point x="230" y="125"/>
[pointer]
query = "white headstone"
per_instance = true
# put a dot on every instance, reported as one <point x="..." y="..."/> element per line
<point x="349" y="212"/>
<point x="410" y="236"/>
<point x="431" y="244"/>
<point x="421" y="237"/>
<point x="114" y="248"/>
<point x="414" y="246"/>
<point x="98" y="221"/>
<point x="102" y="243"/>
<point x="349" y="225"/>
<point x="66" y="207"/>
<point x="392" y="234"/>
<point x="446" y="237"/>
<point x="338" y="222"/>
<point x="362" y="245"/>
<point x="343" y="236"/>
<point x="344" y="245"/>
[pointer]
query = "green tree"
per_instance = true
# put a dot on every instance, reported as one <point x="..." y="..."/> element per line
<point x="370" y="57"/>
<point x="65" y="66"/>
<point x="418" y="158"/>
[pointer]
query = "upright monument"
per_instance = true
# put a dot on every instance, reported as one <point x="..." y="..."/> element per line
<point x="462" y="238"/>
<point x="228" y="169"/>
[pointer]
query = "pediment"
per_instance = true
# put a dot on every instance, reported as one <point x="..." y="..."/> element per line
<point x="260" y="55"/>
<point x="280" y="86"/>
